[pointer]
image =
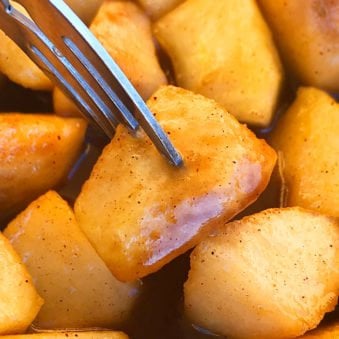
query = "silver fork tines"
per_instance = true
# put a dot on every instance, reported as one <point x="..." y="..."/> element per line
<point x="66" y="50"/>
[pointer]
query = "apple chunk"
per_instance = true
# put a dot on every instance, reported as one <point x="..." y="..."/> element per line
<point x="36" y="153"/>
<point x="15" y="64"/>
<point x="19" y="302"/>
<point x="308" y="36"/>
<point x="273" y="274"/>
<point x="140" y="212"/>
<point x="78" y="288"/>
<point x="125" y="31"/>
<point x="224" y="50"/>
<point x="306" y="139"/>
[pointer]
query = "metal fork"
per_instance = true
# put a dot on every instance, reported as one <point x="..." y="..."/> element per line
<point x="66" y="50"/>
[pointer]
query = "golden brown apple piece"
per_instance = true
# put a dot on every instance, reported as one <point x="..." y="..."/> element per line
<point x="19" y="302"/>
<point x="224" y="50"/>
<point x="157" y="8"/>
<point x="306" y="139"/>
<point x="124" y="30"/>
<point x="78" y="289"/>
<point x="18" y="67"/>
<point x="71" y="335"/>
<point x="307" y="33"/>
<point x="140" y="212"/>
<point x="36" y="153"/>
<point x="270" y="275"/>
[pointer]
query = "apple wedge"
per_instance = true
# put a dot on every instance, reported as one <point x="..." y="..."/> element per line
<point x="273" y="274"/>
<point x="224" y="50"/>
<point x="78" y="289"/>
<point x="125" y="31"/>
<point x="36" y="153"/>
<point x="307" y="142"/>
<point x="140" y="212"/>
<point x="307" y="34"/>
<point x="18" y="67"/>
<point x="19" y="302"/>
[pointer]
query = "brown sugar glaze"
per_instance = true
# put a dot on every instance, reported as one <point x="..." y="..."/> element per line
<point x="159" y="312"/>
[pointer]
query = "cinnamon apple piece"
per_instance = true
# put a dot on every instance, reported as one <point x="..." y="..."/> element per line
<point x="224" y="50"/>
<point x="306" y="139"/>
<point x="273" y="274"/>
<point x="125" y="31"/>
<point x="19" y="302"/>
<point x="307" y="34"/>
<point x="18" y="67"/>
<point x="36" y="153"/>
<point x="140" y="212"/>
<point x="78" y="289"/>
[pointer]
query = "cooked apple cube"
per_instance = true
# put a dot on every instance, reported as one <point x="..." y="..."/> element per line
<point x="140" y="212"/>
<point x="19" y="302"/>
<point x="307" y="34"/>
<point x="17" y="66"/>
<point x="224" y="50"/>
<point x="69" y="335"/>
<point x="36" y="153"/>
<point x="157" y="8"/>
<point x="78" y="289"/>
<point x="306" y="139"/>
<point x="270" y="275"/>
<point x="125" y="31"/>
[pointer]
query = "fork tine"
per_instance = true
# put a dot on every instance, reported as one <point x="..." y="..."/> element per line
<point x="126" y="117"/>
<point x="80" y="100"/>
